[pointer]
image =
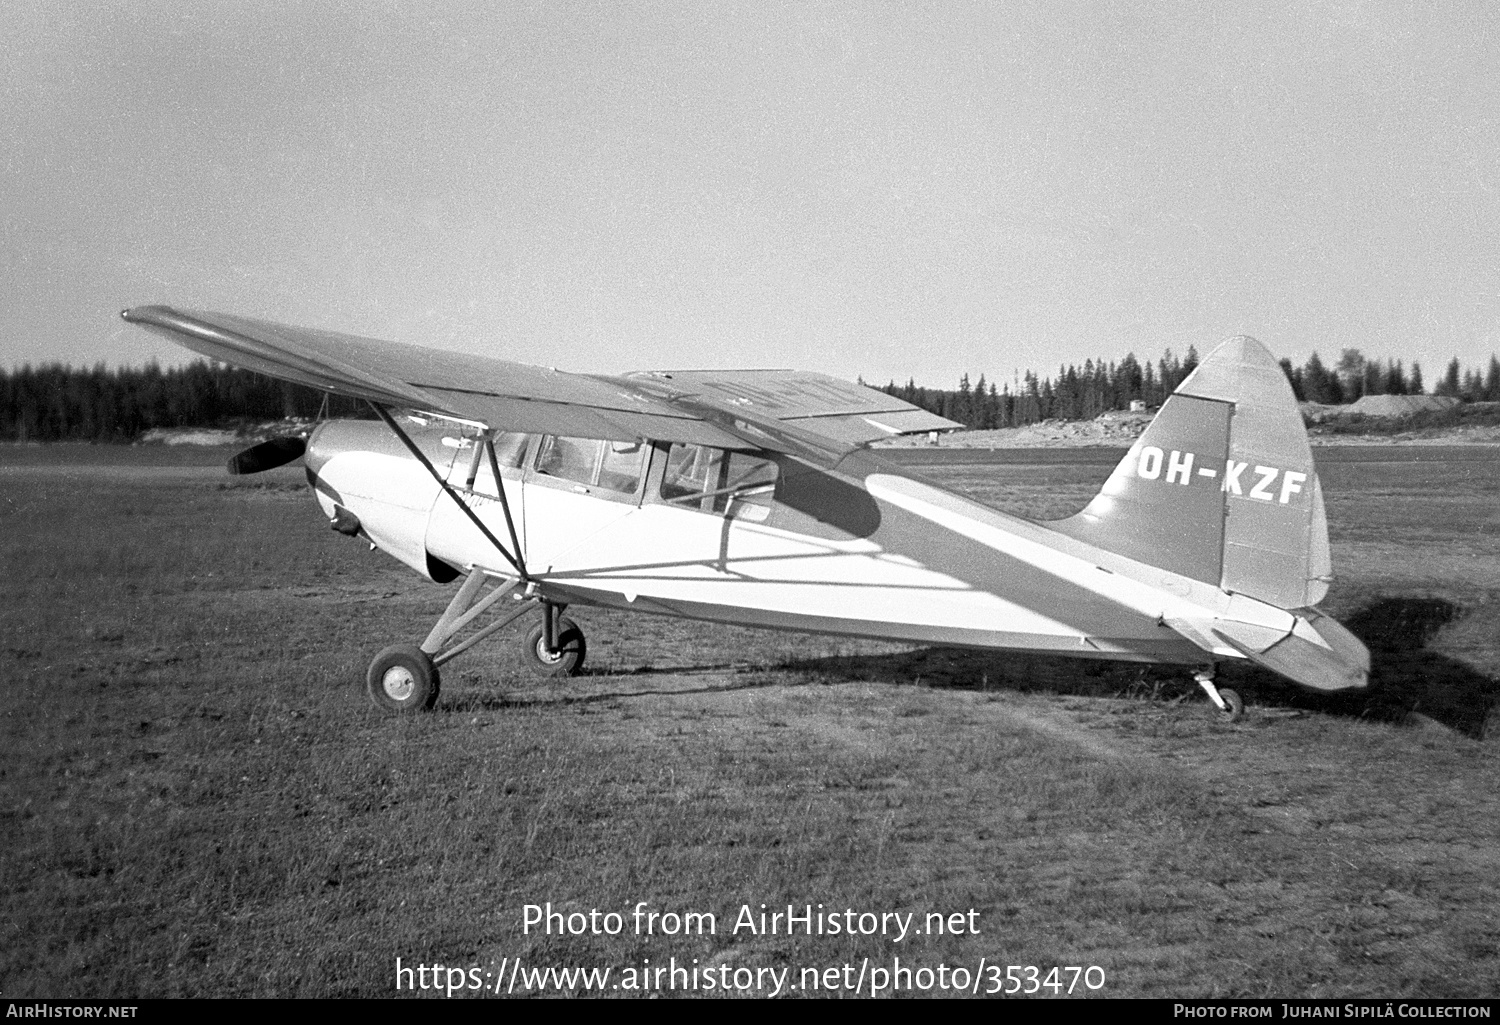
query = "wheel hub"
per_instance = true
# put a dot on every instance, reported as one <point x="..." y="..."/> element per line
<point x="398" y="682"/>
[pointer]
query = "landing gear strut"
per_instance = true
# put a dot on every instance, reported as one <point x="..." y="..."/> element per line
<point x="1227" y="701"/>
<point x="404" y="677"/>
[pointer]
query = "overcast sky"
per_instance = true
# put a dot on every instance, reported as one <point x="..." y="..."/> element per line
<point x="886" y="190"/>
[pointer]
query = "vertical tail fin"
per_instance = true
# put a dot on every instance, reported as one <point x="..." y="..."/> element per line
<point x="1221" y="487"/>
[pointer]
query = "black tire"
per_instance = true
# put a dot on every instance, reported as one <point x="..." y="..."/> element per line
<point x="571" y="649"/>
<point x="402" y="678"/>
<point x="1234" y="706"/>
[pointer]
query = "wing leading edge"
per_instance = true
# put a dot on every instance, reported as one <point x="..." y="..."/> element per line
<point x="809" y="415"/>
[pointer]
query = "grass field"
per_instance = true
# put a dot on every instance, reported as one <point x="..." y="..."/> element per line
<point x="197" y="799"/>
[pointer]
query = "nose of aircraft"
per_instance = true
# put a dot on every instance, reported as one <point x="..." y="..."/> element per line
<point x="334" y="438"/>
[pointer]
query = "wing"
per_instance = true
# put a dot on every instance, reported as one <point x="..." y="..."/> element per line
<point x="816" y="403"/>
<point x="804" y="414"/>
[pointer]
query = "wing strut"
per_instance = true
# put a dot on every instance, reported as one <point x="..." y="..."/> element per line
<point x="514" y="560"/>
<point x="510" y="524"/>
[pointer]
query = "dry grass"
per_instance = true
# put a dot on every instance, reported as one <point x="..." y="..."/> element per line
<point x="196" y="798"/>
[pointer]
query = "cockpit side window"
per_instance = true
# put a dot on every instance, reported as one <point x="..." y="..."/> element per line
<point x="611" y="466"/>
<point x="692" y="470"/>
<point x="510" y="450"/>
<point x="715" y="480"/>
<point x="620" y="465"/>
<point x="471" y="468"/>
<point x="568" y="458"/>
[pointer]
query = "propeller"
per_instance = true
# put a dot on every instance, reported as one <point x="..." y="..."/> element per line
<point x="268" y="454"/>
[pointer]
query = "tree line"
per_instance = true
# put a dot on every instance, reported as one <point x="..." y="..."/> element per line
<point x="1099" y="387"/>
<point x="1354" y="377"/>
<point x="1076" y="394"/>
<point x="60" y="403"/>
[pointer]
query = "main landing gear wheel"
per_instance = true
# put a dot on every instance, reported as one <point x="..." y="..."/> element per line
<point x="567" y="660"/>
<point x="402" y="679"/>
<point x="1233" y="708"/>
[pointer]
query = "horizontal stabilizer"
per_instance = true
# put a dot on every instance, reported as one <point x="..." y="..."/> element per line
<point x="1319" y="653"/>
<point x="1307" y="647"/>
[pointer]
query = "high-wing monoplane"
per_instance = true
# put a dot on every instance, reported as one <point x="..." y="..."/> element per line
<point x="752" y="497"/>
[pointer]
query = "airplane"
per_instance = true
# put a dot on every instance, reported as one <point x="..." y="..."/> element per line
<point x="753" y="497"/>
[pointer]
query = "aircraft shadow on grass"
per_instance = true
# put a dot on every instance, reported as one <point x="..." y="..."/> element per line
<point x="1405" y="676"/>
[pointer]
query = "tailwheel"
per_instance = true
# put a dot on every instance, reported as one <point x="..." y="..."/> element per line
<point x="1228" y="702"/>
<point x="402" y="678"/>
<point x="566" y="659"/>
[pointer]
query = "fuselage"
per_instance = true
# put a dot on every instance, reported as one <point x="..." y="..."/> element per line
<point x="763" y="539"/>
